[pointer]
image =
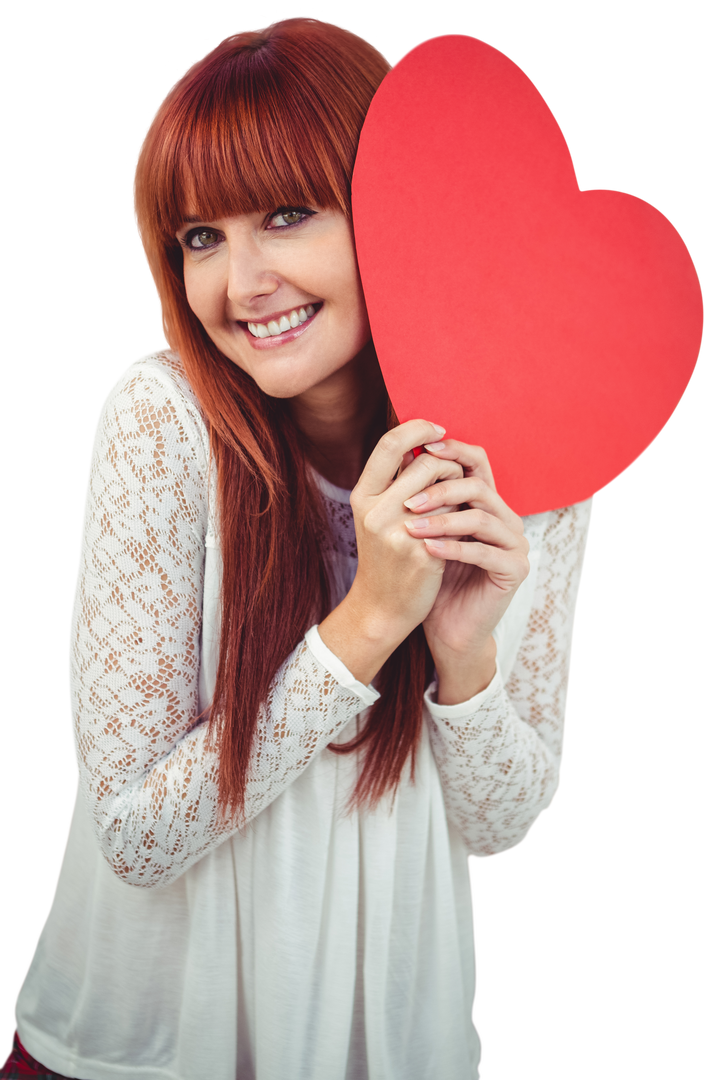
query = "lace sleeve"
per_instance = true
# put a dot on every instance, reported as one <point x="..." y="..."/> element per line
<point x="498" y="755"/>
<point x="145" y="774"/>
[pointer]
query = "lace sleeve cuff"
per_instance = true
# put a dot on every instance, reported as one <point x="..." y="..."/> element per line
<point x="464" y="710"/>
<point x="367" y="694"/>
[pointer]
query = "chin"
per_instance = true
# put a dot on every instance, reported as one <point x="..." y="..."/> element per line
<point x="283" y="391"/>
<point x="282" y="388"/>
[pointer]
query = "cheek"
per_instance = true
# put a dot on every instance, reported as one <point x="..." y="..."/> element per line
<point x="357" y="301"/>
<point x="346" y="285"/>
<point x="202" y="295"/>
<point x="192" y="294"/>
<point x="356" y="307"/>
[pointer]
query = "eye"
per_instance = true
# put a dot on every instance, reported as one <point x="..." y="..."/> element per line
<point x="287" y="216"/>
<point x="200" y="239"/>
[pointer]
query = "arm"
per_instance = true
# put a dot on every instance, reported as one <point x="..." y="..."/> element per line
<point x="146" y="776"/>
<point x="498" y="754"/>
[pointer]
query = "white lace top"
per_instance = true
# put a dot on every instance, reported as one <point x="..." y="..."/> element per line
<point x="313" y="946"/>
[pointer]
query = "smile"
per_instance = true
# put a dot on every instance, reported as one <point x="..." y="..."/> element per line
<point x="293" y="318"/>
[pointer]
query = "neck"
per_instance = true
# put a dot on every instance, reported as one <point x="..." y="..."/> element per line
<point x="343" y="418"/>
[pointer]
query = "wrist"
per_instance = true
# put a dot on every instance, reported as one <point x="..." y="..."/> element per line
<point x="461" y="676"/>
<point x="377" y="622"/>
<point x="361" y="636"/>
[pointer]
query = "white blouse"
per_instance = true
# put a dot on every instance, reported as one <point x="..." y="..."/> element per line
<point x="312" y="945"/>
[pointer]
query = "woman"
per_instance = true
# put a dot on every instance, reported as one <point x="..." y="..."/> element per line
<point x="298" y="706"/>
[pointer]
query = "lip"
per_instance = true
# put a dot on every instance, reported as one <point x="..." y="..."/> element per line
<point x="280" y="339"/>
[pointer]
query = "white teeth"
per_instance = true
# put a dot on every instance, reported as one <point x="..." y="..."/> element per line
<point x="286" y="322"/>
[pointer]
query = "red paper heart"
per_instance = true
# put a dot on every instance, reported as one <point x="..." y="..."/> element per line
<point x="556" y="328"/>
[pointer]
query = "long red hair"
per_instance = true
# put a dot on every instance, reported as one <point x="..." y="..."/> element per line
<point x="269" y="118"/>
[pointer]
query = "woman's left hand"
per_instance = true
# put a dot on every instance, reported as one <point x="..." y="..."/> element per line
<point x="486" y="559"/>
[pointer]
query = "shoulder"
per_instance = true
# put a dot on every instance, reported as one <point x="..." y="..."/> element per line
<point x="158" y="378"/>
<point x="153" y="400"/>
<point x="151" y="458"/>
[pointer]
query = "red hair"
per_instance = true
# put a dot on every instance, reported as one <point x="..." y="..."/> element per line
<point x="269" y="118"/>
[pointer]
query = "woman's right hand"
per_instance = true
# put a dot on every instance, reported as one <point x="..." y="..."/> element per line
<point x="397" y="579"/>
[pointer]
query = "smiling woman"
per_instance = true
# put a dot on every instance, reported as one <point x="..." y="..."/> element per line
<point x="237" y="169"/>
<point x="312" y="672"/>
<point x="258" y="282"/>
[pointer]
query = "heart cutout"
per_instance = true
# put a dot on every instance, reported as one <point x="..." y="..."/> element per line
<point x="557" y="328"/>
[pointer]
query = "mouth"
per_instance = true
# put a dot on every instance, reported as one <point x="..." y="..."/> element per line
<point x="284" y="327"/>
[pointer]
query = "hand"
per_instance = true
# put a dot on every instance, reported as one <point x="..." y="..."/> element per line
<point x="485" y="555"/>
<point x="397" y="577"/>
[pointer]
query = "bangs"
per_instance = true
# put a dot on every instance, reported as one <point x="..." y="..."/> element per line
<point x="249" y="137"/>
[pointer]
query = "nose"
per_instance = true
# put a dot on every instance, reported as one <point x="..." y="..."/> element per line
<point x="249" y="275"/>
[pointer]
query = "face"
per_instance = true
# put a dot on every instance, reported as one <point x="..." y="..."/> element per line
<point x="278" y="293"/>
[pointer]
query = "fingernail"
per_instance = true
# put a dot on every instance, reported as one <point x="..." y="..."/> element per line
<point x="440" y="430"/>
<point x="416" y="501"/>
<point x="423" y="523"/>
<point x="435" y="446"/>
<point x="438" y="543"/>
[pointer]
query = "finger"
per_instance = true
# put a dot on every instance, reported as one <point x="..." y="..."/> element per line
<point x="507" y="570"/>
<point x="472" y="490"/>
<point x="423" y="472"/>
<point x="483" y="527"/>
<point x="473" y="459"/>
<point x="387" y="456"/>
